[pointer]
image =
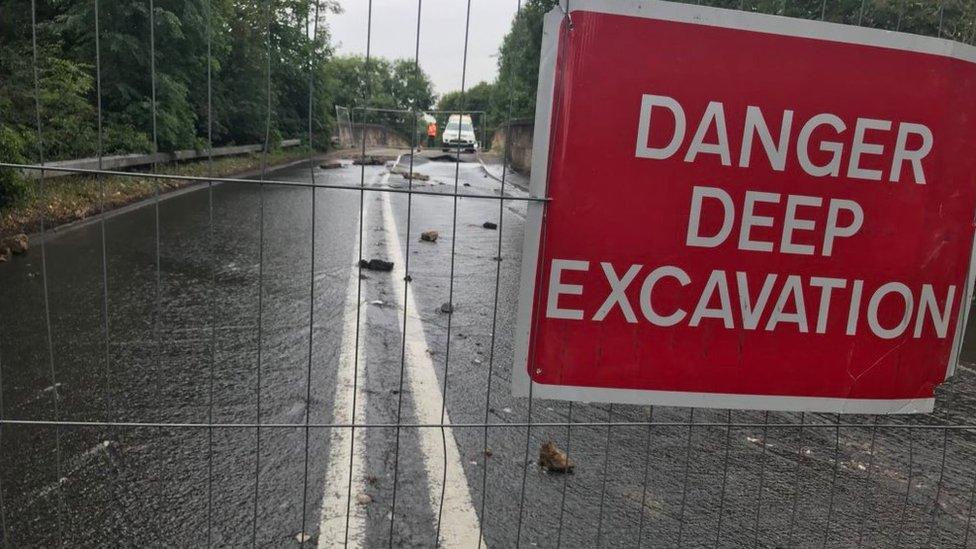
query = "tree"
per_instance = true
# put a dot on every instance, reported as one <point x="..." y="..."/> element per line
<point x="379" y="83"/>
<point x="240" y="33"/>
<point x="477" y="98"/>
<point x="245" y="35"/>
<point x="12" y="187"/>
<point x="176" y="56"/>
<point x="397" y="85"/>
<point x="518" y="62"/>
<point x="410" y="86"/>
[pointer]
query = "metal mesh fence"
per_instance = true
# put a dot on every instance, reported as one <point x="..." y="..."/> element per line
<point x="344" y="133"/>
<point x="228" y="368"/>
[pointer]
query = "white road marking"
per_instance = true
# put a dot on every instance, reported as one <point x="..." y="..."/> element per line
<point x="332" y="528"/>
<point x="459" y="522"/>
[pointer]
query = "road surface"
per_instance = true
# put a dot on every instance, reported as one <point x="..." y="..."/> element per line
<point x="225" y="320"/>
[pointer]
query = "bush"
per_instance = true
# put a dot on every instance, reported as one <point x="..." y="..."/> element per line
<point x="12" y="184"/>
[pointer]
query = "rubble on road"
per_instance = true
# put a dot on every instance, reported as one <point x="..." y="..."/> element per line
<point x="376" y="265"/>
<point x="17" y="244"/>
<point x="447" y="308"/>
<point x="368" y="161"/>
<point x="407" y="174"/>
<point x="364" y="499"/>
<point x="416" y="176"/>
<point x="429" y="236"/>
<point x="555" y="460"/>
<point x="490" y="225"/>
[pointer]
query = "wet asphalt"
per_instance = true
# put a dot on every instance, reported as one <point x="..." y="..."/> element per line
<point x="236" y="325"/>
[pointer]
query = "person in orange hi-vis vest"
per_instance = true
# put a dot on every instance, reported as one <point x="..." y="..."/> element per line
<point x="431" y="134"/>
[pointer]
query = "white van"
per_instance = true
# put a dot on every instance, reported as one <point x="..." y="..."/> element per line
<point x="459" y="134"/>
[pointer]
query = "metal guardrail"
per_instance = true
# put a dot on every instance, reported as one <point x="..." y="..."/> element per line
<point x="121" y="161"/>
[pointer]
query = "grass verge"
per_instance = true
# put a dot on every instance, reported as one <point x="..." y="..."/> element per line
<point x="75" y="197"/>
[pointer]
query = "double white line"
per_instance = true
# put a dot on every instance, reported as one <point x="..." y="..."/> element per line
<point x="459" y="521"/>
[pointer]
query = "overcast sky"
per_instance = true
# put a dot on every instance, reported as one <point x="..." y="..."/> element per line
<point x="394" y="32"/>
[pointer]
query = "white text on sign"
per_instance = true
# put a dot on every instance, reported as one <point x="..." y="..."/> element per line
<point x="803" y="224"/>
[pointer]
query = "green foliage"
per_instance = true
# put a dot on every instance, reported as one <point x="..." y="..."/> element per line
<point x="512" y="95"/>
<point x="12" y="186"/>
<point x="244" y="35"/>
<point x="252" y="41"/>
<point x="477" y="98"/>
<point x="398" y="85"/>
<point x="380" y="83"/>
<point x="409" y="86"/>
<point x="69" y="118"/>
<point x="518" y="62"/>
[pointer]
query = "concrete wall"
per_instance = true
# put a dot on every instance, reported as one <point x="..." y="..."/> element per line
<point x="517" y="134"/>
<point x="377" y="135"/>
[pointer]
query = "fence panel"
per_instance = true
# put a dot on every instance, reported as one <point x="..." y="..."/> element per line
<point x="233" y="367"/>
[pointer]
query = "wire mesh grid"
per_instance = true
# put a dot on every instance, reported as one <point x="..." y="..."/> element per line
<point x="345" y="136"/>
<point x="233" y="412"/>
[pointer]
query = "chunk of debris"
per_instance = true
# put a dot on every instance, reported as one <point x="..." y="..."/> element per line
<point x="364" y="499"/>
<point x="490" y="225"/>
<point x="335" y="165"/>
<point x="553" y="459"/>
<point x="302" y="537"/>
<point x="377" y="302"/>
<point x="17" y="244"/>
<point x="368" y="161"/>
<point x="467" y="184"/>
<point x="416" y="176"/>
<point x="376" y="265"/>
<point x="447" y="308"/>
<point x="429" y="236"/>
